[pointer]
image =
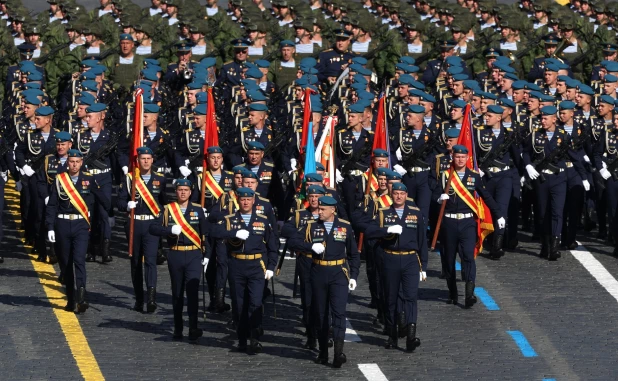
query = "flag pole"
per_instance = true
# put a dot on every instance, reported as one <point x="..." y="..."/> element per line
<point x="133" y="163"/>
<point x="442" y="208"/>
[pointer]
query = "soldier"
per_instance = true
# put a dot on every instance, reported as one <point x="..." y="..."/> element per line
<point x="186" y="229"/>
<point x="150" y="197"/>
<point x="247" y="241"/>
<point x="68" y="213"/>
<point x="231" y="70"/>
<point x="260" y="166"/>
<point x="124" y="68"/>
<point x="335" y="270"/>
<point x="283" y="71"/>
<point x="332" y="61"/>
<point x="401" y="233"/>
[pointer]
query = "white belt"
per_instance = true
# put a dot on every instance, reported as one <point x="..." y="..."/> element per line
<point x="418" y="169"/>
<point x="355" y="172"/>
<point x="99" y="171"/>
<point x="569" y="164"/>
<point x="458" y="216"/>
<point x="164" y="170"/>
<point x="498" y="169"/>
<point x="143" y="217"/>
<point x="199" y="169"/>
<point x="550" y="172"/>
<point x="71" y="216"/>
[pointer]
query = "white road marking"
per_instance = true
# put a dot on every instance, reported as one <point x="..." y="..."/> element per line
<point x="597" y="270"/>
<point x="372" y="372"/>
<point x="350" y="333"/>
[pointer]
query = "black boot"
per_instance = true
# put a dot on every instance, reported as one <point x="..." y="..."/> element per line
<point x="496" y="249"/>
<point x="391" y="343"/>
<point x="70" y="307"/>
<point x="312" y="342"/>
<point x="412" y="342"/>
<point x="105" y="251"/>
<point x="177" y="331"/>
<point x="254" y="344"/>
<point x="51" y="254"/>
<point x="470" y="298"/>
<point x="322" y="356"/>
<point x="554" y="254"/>
<point x="1" y="259"/>
<point x="401" y="324"/>
<point x="452" y="291"/>
<point x="82" y="304"/>
<point x="161" y="255"/>
<point x="194" y="332"/>
<point x="220" y="305"/>
<point x="339" y="358"/>
<point x="91" y="255"/>
<point x="139" y="301"/>
<point x="544" y="247"/>
<point x="152" y="297"/>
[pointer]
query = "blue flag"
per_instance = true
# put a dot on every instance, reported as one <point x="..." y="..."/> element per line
<point x="310" y="152"/>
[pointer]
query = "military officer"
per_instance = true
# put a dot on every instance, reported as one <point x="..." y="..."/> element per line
<point x="230" y="74"/>
<point x="262" y="168"/>
<point x="332" y="62"/>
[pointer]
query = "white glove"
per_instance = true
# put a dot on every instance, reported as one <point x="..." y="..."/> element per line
<point x="399" y="169"/>
<point x="532" y="173"/>
<point x="318" y="248"/>
<point x="522" y="181"/>
<point x="242" y="234"/>
<point x="111" y="221"/>
<point x="605" y="173"/>
<point x="125" y="169"/>
<point x="352" y="285"/>
<point x="46" y="200"/>
<point x="398" y="154"/>
<point x="422" y="276"/>
<point x="18" y="186"/>
<point x="338" y="176"/>
<point x="27" y="170"/>
<point x="586" y="185"/>
<point x="481" y="172"/>
<point x="205" y="212"/>
<point x="4" y="176"/>
<point x="205" y="263"/>
<point x="501" y="223"/>
<point x="293" y="163"/>
<point x="269" y="274"/>
<point x="176" y="230"/>
<point x="586" y="159"/>
<point x="184" y="171"/>
<point x="443" y="197"/>
<point x="131" y="205"/>
<point x="395" y="229"/>
<point x="51" y="236"/>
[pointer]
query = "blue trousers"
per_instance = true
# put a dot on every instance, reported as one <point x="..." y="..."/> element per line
<point x="71" y="246"/>
<point x="185" y="269"/>
<point x="550" y="197"/>
<point x="573" y="206"/>
<point x="303" y="267"/>
<point x="458" y="236"/>
<point x="500" y="187"/>
<point x="330" y="296"/>
<point x="400" y="281"/>
<point x="418" y="189"/>
<point x="145" y="246"/>
<point x="247" y="288"/>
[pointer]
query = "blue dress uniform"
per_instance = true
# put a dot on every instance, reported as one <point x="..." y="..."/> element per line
<point x="605" y="161"/>
<point x="299" y="219"/>
<point x="330" y="61"/>
<point x="72" y="226"/>
<point x="498" y="178"/>
<point x="216" y="185"/>
<point x="145" y="245"/>
<point x="550" y="193"/>
<point x="265" y="171"/>
<point x="101" y="227"/>
<point x="248" y="262"/>
<point x="417" y="177"/>
<point x="404" y="257"/>
<point x="184" y="259"/>
<point x="230" y="73"/>
<point x="458" y="233"/>
<point x="331" y="273"/>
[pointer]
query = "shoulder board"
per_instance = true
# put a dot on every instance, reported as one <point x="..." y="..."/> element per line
<point x="561" y="130"/>
<point x="229" y="216"/>
<point x="345" y="221"/>
<point x="228" y="62"/>
<point x="440" y="155"/>
<point x="370" y="132"/>
<point x="342" y="130"/>
<point x="327" y="50"/>
<point x="479" y="126"/>
<point x="269" y="164"/>
<point x="229" y="172"/>
<point x="87" y="174"/>
<point x="509" y="129"/>
<point x="264" y="199"/>
<point x="410" y="199"/>
<point x="161" y="175"/>
<point x="384" y="208"/>
<point x="413" y="207"/>
<point x="51" y="154"/>
<point x="194" y="204"/>
<point x="166" y="132"/>
<point x="245" y="128"/>
<point x="56" y="130"/>
<point x="262" y="216"/>
<point x="473" y="171"/>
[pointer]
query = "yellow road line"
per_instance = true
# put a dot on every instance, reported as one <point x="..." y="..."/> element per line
<point x="86" y="362"/>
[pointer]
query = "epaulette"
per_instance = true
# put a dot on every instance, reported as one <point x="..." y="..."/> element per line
<point x="409" y="199"/>
<point x="370" y="132"/>
<point x="87" y="173"/>
<point x="479" y="126"/>
<point x="440" y="155"/>
<point x="194" y="204"/>
<point x="229" y="172"/>
<point x="165" y="131"/>
<point x="264" y="199"/>
<point x="562" y="130"/>
<point x="342" y="130"/>
<point x="473" y="171"/>
<point x="162" y="175"/>
<point x="56" y="130"/>
<point x="384" y="208"/>
<point x="228" y="62"/>
<point x="269" y="164"/>
<point x="345" y="221"/>
<point x="229" y="215"/>
<point x="413" y="207"/>
<point x="508" y="129"/>
<point x="262" y="216"/>
<point x="327" y="50"/>
<point x="245" y="129"/>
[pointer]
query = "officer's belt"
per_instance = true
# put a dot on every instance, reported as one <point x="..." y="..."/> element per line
<point x="329" y="263"/>
<point x="184" y="248"/>
<point x="419" y="169"/>
<point x="246" y="256"/>
<point x="355" y="172"/>
<point x="569" y="164"/>
<point x="99" y="171"/>
<point x="143" y="217"/>
<point x="308" y="255"/>
<point x="400" y="252"/>
<point x="459" y="216"/>
<point x="498" y="169"/>
<point x="550" y="172"/>
<point x="71" y="216"/>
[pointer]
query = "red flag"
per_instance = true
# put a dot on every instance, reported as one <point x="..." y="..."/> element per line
<point x="485" y="224"/>
<point x="306" y="120"/>
<point x="379" y="138"/>
<point x="211" y="138"/>
<point x="138" y="128"/>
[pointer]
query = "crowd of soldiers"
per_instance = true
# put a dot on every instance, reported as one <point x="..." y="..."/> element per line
<point x="540" y="79"/>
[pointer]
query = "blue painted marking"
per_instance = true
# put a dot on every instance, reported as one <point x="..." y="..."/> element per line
<point x="549" y="379"/>
<point x="523" y="344"/>
<point x="457" y="264"/>
<point x="487" y="300"/>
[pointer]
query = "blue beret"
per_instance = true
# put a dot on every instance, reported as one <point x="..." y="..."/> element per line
<point x="506" y="102"/>
<point x="200" y="109"/>
<point x="146" y="86"/>
<point x="488" y="95"/>
<point x="359" y="60"/>
<point x="453" y="61"/>
<point x="63" y="136"/>
<point x="44" y="111"/>
<point x="262" y="63"/>
<point x="314" y="177"/>
<point x="27" y="66"/>
<point x="460" y="77"/>
<point x="239" y="170"/>
<point x="96" y="107"/>
<point x="144" y="151"/>
<point x="416" y="109"/>
<point x="603" y="99"/>
<point x="549" y="110"/>
<point x="342" y="33"/>
<point x="214" y="149"/>
<point x="196" y="84"/>
<point x="536" y="94"/>
<point x="317" y="106"/>
<point x="358" y="78"/>
<point x="610" y="78"/>
<point x="254" y="73"/>
<point x="403" y="67"/>
<point x="89" y="85"/>
<point x="32" y="93"/>
<point x="452" y="133"/>
<point x="32" y="85"/>
<point x="406" y="79"/>
<point x="319" y="167"/>
<point x="382" y="171"/>
<point x="458" y="103"/>
<point x="256" y="95"/>
<point x="552" y="67"/>
<point x="208" y="62"/>
<point x="89" y="63"/>
<point x="392" y="175"/>
<point x="547" y="98"/>
<point x="563" y="78"/>
<point x="286" y="43"/>
<point x="519" y="85"/>
<point x="327" y="201"/>
<point x="364" y="71"/>
<point x="147" y="74"/>
<point x="418" y="85"/>
<point x="152" y="61"/>
<point x="256" y="146"/>
<point x="258" y="107"/>
<point x="356" y="108"/>
<point x="400" y="187"/>
<point x="355" y="67"/>
<point x="249" y="84"/>
<point x="585" y="89"/>
<point x="407" y="60"/>
<point x="308" y="61"/>
<point x="428" y="97"/>
<point x="471" y="84"/>
<point x="88" y="75"/>
<point x="32" y="100"/>
<point x="511" y="76"/>
<point x="612" y="66"/>
<point x="459" y="149"/>
<point x="201" y="97"/>
<point x="316" y="189"/>
<point x="248" y="174"/>
<point x="363" y="94"/>
<point x="452" y="70"/>
<point x="358" y="86"/>
<point x="183" y="183"/>
<point x="378" y="152"/>
<point x="151" y="108"/>
<point x="35" y="76"/>
<point x="183" y="46"/>
<point x="126" y="37"/>
<point x="566" y="105"/>
<point x="74" y="153"/>
<point x="495" y="109"/>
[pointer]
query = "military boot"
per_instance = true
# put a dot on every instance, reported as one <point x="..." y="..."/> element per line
<point x="452" y="291"/>
<point x="194" y="332"/>
<point x="401" y="324"/>
<point x="51" y="254"/>
<point x="91" y="255"/>
<point x="105" y="251"/>
<point x="470" y="298"/>
<point x="339" y="358"/>
<point x="412" y="342"/>
<point x="554" y="253"/>
<point x="496" y="249"/>
<point x="391" y="342"/>
<point x="322" y="356"/>
<point x="254" y="343"/>
<point x="544" y="247"/>
<point x="82" y="304"/>
<point x="152" y="297"/>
